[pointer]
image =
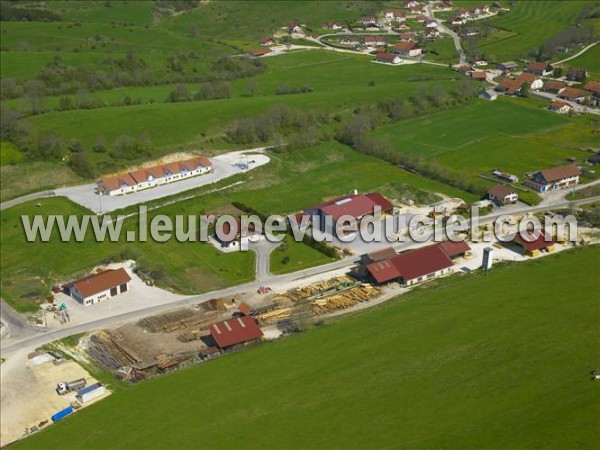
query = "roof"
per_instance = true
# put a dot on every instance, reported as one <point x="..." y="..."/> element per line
<point x="592" y="86"/>
<point x="526" y="77"/>
<point x="538" y="66"/>
<point x="501" y="191"/>
<point x="554" y="84"/>
<point x="102" y="281"/>
<point x="266" y="39"/>
<point x="382" y="254"/>
<point x="260" y="52"/>
<point x="235" y="331"/>
<point x="140" y="175"/>
<point x="411" y="264"/>
<point x="405" y="46"/>
<point x="453" y="249"/>
<point x="559" y="173"/>
<point x="531" y="243"/>
<point x="355" y="205"/>
<point x="374" y="39"/>
<point x="244" y="308"/>
<point x="478" y="75"/>
<point x="386" y="57"/>
<point x="558" y="105"/>
<point x="508" y="64"/>
<point x="90" y="388"/>
<point x="571" y="92"/>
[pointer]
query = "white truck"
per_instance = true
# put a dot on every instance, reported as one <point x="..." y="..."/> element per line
<point x="64" y="387"/>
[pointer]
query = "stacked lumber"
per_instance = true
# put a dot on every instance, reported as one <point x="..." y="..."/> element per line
<point x="110" y="352"/>
<point x="274" y="315"/>
<point x="345" y="299"/>
<point x="172" y="321"/>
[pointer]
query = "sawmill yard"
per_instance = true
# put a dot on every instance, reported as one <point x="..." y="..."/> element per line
<point x="446" y="366"/>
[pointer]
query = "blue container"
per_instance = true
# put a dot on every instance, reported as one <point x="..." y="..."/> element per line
<point x="62" y="414"/>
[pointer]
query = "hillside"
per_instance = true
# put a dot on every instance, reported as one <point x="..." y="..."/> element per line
<point x="497" y="361"/>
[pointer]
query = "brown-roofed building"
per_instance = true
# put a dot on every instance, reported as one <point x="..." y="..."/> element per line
<point x="539" y="68"/>
<point x="593" y="86"/>
<point x="266" y="41"/>
<point x="574" y="94"/>
<point x="417" y="265"/>
<point x="554" y="86"/>
<point x="258" y="52"/>
<point x="407" y="49"/>
<point x="508" y="86"/>
<point x="532" y="245"/>
<point x="235" y="331"/>
<point x="478" y="75"/>
<point x="388" y="58"/>
<point x="560" y="107"/>
<point x="502" y="195"/>
<point x="100" y="286"/>
<point x="373" y="41"/>
<point x="507" y="66"/>
<point x="555" y="178"/>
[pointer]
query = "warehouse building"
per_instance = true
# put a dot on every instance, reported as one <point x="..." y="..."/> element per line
<point x="531" y="245"/>
<point x="235" y="331"/>
<point x="100" y="286"/>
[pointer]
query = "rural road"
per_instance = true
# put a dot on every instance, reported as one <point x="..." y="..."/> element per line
<point x="576" y="54"/>
<point x="25" y="198"/>
<point x="576" y="106"/>
<point x="445" y="30"/>
<point x="31" y="338"/>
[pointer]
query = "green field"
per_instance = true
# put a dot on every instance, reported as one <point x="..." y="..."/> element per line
<point x="497" y="361"/>
<point x="590" y="60"/>
<point x="528" y="25"/>
<point x="514" y="135"/>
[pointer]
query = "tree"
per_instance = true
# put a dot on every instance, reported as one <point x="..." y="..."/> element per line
<point x="81" y="164"/>
<point x="50" y="146"/>
<point x="252" y="87"/>
<point x="524" y="91"/>
<point x="180" y="94"/>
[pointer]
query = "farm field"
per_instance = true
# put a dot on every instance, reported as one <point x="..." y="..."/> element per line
<point x="514" y="136"/>
<point x="487" y="354"/>
<point x="530" y="24"/>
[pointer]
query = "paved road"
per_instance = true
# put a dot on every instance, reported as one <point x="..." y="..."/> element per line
<point x="445" y="30"/>
<point x="576" y="106"/>
<point x="14" y="325"/>
<point x="576" y="54"/>
<point x="34" y="338"/>
<point x="25" y="198"/>
<point x="263" y="250"/>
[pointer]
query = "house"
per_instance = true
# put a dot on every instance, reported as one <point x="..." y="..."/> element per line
<point x="257" y="53"/>
<point x="415" y="266"/>
<point x="373" y="41"/>
<point x="489" y="95"/>
<point x="463" y="13"/>
<point x="407" y="49"/>
<point x="532" y="245"/>
<point x="468" y="32"/>
<point x="574" y="94"/>
<point x="421" y="18"/>
<point x="508" y="86"/>
<point x="140" y="179"/>
<point x="235" y="331"/>
<point x="432" y="33"/>
<point x="388" y="58"/>
<point x="240" y="237"/>
<point x="369" y="21"/>
<point x="502" y="195"/>
<point x="555" y="178"/>
<point x="534" y="82"/>
<point x="507" y="66"/>
<point x="326" y="215"/>
<point x="456" y="21"/>
<point x="417" y="9"/>
<point x="540" y="68"/>
<point x="100" y="286"/>
<point x="294" y="27"/>
<point x="409" y="37"/>
<point x="333" y="26"/>
<point x="478" y="75"/>
<point x="554" y="86"/>
<point x="431" y="24"/>
<point x="465" y="69"/>
<point x="593" y="87"/>
<point x="266" y="41"/>
<point x="577" y="74"/>
<point x="560" y="107"/>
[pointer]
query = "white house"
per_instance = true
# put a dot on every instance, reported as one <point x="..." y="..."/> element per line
<point x="407" y="49"/>
<point x="503" y="195"/>
<point x="560" y="107"/>
<point x="553" y="179"/>
<point x="100" y="286"/>
<point x="140" y="179"/>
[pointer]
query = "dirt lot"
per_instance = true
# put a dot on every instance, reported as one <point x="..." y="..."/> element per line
<point x="28" y="395"/>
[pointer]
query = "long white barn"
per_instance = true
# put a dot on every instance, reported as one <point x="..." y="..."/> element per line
<point x="137" y="180"/>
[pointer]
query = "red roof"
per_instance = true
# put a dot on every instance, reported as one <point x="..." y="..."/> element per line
<point x="538" y="66"/>
<point x="593" y="86"/>
<point x="453" y="249"/>
<point x="571" y="92"/>
<point x="560" y="173"/>
<point x="530" y="243"/>
<point x="405" y="46"/>
<point x="260" y="52"/>
<point x="558" y="105"/>
<point x="355" y="205"/>
<point x="101" y="282"/>
<point x="414" y="263"/>
<point x="478" y="75"/>
<point x="235" y="331"/>
<point x="386" y="57"/>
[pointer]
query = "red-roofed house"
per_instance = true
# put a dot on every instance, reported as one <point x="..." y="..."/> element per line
<point x="326" y="214"/>
<point x="532" y="245"/>
<point x="574" y="94"/>
<point x="388" y="58"/>
<point x="100" y="286"/>
<point x="554" y="86"/>
<point x="407" y="49"/>
<point x="235" y="331"/>
<point x="560" y="107"/>
<point x="555" y="178"/>
<point x="502" y="195"/>
<point x="478" y="75"/>
<point x="257" y="52"/>
<point x="374" y="41"/>
<point x="266" y="41"/>
<point x="539" y="68"/>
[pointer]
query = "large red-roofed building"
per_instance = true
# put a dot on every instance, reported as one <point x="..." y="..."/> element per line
<point x="235" y="331"/>
<point x="100" y="286"/>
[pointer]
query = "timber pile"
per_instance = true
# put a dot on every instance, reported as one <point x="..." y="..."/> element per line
<point x="345" y="299"/>
<point x="110" y="352"/>
<point x="274" y="315"/>
<point x="172" y="321"/>
<point x="321" y="288"/>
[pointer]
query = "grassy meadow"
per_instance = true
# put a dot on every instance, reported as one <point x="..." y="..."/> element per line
<point x="487" y="362"/>
<point x="590" y="60"/>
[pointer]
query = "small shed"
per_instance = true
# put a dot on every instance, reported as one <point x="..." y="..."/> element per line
<point x="90" y="393"/>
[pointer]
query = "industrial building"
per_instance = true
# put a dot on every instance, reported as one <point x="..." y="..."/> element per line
<point x="140" y="179"/>
<point x="415" y="266"/>
<point x="235" y="331"/>
<point x="100" y="286"/>
<point x="532" y="245"/>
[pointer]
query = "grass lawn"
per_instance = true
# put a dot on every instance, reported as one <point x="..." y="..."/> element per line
<point x="527" y="26"/>
<point x="496" y="361"/>
<point x="590" y="60"/>
<point x="10" y="154"/>
<point x="442" y="51"/>
<point x="514" y="135"/>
